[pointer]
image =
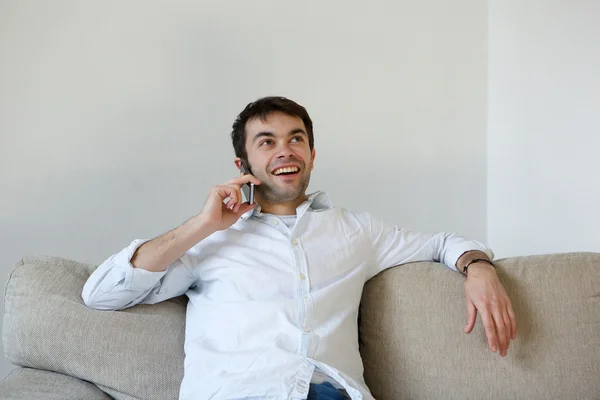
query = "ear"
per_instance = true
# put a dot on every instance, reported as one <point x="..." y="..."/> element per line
<point x="238" y="163"/>
<point x="312" y="158"/>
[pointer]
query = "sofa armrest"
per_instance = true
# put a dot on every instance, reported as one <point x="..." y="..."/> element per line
<point x="48" y="327"/>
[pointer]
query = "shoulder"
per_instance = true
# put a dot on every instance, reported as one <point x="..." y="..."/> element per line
<point x="361" y="219"/>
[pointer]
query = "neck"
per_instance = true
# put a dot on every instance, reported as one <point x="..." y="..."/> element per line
<point x="287" y="208"/>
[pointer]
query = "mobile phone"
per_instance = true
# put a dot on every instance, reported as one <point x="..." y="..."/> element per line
<point x="248" y="189"/>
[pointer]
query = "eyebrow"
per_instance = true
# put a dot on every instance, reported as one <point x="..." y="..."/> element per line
<point x="271" y="134"/>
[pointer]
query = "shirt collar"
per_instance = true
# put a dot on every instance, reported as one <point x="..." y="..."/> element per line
<point x="316" y="201"/>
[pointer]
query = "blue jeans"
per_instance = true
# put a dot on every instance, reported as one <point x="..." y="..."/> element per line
<point x="324" y="391"/>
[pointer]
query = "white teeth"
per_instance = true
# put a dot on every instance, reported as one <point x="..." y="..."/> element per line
<point x="288" y="169"/>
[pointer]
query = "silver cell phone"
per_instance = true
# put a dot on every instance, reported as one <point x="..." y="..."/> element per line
<point x="248" y="189"/>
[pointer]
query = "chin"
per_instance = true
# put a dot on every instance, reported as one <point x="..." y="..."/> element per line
<point x="283" y="196"/>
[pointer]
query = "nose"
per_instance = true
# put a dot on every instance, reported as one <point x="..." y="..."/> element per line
<point x="284" y="151"/>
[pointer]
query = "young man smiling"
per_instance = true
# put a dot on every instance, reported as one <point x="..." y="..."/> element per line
<point x="274" y="288"/>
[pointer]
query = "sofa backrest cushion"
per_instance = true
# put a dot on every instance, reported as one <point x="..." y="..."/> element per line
<point x="414" y="346"/>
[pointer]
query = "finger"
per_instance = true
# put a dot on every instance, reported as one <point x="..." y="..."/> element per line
<point x="230" y="204"/>
<point x="245" y="207"/>
<point x="224" y="192"/>
<point x="490" y="330"/>
<point x="241" y="208"/>
<point x="238" y="195"/>
<point x="243" y="179"/>
<point x="513" y="321"/>
<point x="232" y="191"/>
<point x="501" y="332"/>
<point x="471" y="316"/>
<point x="507" y="325"/>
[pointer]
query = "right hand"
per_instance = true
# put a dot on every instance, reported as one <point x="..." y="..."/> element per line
<point x="220" y="215"/>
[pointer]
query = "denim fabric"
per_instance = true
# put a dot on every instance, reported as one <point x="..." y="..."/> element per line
<point x="324" y="391"/>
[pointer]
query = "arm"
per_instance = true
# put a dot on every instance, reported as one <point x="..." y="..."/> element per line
<point x="484" y="291"/>
<point x="147" y="272"/>
<point x="393" y="246"/>
<point x="152" y="271"/>
<point x="156" y="255"/>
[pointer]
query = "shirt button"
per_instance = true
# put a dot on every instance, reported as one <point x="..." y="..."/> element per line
<point x="294" y="242"/>
<point x="302" y="277"/>
<point x="276" y="222"/>
<point x="307" y="330"/>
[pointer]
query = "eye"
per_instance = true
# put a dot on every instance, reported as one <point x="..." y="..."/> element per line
<point x="267" y="141"/>
<point x="298" y="138"/>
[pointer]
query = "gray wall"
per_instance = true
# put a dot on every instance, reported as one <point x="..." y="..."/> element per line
<point x="115" y="115"/>
<point x="544" y="126"/>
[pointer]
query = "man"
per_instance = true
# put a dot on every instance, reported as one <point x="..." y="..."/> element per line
<point x="274" y="287"/>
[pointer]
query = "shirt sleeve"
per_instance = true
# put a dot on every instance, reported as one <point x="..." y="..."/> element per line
<point x="116" y="284"/>
<point x="393" y="246"/>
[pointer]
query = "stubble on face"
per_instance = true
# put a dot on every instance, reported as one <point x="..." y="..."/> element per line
<point x="279" y="192"/>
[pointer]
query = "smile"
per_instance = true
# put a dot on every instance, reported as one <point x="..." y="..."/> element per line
<point x="286" y="171"/>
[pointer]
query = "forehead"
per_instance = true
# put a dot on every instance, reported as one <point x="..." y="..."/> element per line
<point x="276" y="122"/>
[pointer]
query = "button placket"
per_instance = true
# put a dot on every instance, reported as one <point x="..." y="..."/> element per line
<point x="304" y="299"/>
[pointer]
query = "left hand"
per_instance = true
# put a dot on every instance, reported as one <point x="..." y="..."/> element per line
<point x="485" y="293"/>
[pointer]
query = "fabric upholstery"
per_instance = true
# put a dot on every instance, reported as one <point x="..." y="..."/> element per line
<point x="129" y="354"/>
<point x="411" y="328"/>
<point x="36" y="384"/>
<point x="414" y="345"/>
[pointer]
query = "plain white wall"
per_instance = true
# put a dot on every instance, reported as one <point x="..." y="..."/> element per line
<point x="544" y="127"/>
<point x="115" y="116"/>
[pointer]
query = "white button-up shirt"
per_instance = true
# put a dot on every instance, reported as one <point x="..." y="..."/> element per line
<point x="268" y="304"/>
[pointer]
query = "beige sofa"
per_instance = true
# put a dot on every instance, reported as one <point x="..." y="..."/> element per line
<point x="411" y="329"/>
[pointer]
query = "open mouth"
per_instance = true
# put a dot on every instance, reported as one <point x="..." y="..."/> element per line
<point x="286" y="172"/>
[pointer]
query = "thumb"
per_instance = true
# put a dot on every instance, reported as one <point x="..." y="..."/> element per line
<point x="471" y="316"/>
<point x="244" y="208"/>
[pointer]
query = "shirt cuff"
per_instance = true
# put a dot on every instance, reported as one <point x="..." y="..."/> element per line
<point x="136" y="279"/>
<point x="455" y="252"/>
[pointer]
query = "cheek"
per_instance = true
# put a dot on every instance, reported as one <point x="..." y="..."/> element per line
<point x="256" y="163"/>
<point x="304" y="155"/>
